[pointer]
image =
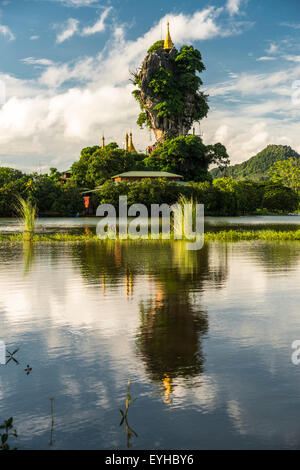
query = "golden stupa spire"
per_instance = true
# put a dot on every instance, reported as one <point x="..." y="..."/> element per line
<point x="168" y="41"/>
<point x="126" y="142"/>
<point x="131" y="148"/>
<point x="103" y="142"/>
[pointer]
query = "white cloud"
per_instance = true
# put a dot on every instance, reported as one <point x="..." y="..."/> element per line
<point x="272" y="49"/>
<point x="99" y="26"/>
<point x="265" y="58"/>
<point x="233" y="6"/>
<point x="69" y="29"/>
<point x="292" y="58"/>
<point x="78" y="3"/>
<point x="291" y="25"/>
<point x="33" y="61"/>
<point x="34" y="38"/>
<point x="6" y="32"/>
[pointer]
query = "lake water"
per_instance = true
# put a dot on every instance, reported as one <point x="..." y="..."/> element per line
<point x="81" y="224"/>
<point x="204" y="337"/>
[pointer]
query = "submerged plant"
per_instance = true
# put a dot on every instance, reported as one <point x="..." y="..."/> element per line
<point x="27" y="213"/>
<point x="11" y="357"/>
<point x="8" y="431"/>
<point x="129" y="431"/>
<point x="52" y="422"/>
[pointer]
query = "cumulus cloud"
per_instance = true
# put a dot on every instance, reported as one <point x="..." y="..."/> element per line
<point x="68" y="30"/>
<point x="49" y="119"/>
<point x="37" y="62"/>
<point x="6" y="32"/>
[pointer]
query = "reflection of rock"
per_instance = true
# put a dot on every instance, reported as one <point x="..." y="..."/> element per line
<point x="171" y="328"/>
<point x="168" y="339"/>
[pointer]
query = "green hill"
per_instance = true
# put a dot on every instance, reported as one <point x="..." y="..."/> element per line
<point x="256" y="168"/>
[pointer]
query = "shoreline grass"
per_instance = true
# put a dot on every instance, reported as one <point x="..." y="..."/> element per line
<point x="223" y="236"/>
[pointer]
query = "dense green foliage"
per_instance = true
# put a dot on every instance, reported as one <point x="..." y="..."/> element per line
<point x="188" y="157"/>
<point x="287" y="172"/>
<point x="45" y="191"/>
<point x="145" y="192"/>
<point x="97" y="165"/>
<point x="257" y="168"/>
<point x="223" y="197"/>
<point x="171" y="87"/>
<point x="156" y="46"/>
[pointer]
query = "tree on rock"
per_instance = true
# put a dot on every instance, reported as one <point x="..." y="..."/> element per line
<point x="168" y="90"/>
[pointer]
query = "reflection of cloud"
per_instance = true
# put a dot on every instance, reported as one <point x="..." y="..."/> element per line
<point x="236" y="414"/>
<point x="205" y="394"/>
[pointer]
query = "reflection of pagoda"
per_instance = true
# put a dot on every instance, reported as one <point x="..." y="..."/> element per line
<point x="167" y="383"/>
<point x="172" y="325"/>
<point x="129" y="284"/>
<point x="169" y="338"/>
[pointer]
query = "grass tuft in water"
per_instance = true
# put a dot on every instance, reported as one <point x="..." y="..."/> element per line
<point x="225" y="236"/>
<point x="27" y="213"/>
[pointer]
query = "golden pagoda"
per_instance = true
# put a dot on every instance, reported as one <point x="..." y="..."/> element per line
<point x="103" y="143"/>
<point x="131" y="147"/>
<point x="126" y="142"/>
<point x="168" y="41"/>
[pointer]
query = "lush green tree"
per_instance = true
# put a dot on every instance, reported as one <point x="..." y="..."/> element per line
<point x="7" y="175"/>
<point x="80" y="168"/>
<point x="43" y="190"/>
<point x="173" y="85"/>
<point x="287" y="173"/>
<point x="69" y="200"/>
<point x="206" y="193"/>
<point x="9" y="196"/>
<point x="55" y="175"/>
<point x="187" y="156"/>
<point x="106" y="163"/>
<point x="97" y="165"/>
<point x="146" y="191"/>
<point x="278" y="198"/>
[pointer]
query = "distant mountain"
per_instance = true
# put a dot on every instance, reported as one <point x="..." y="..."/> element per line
<point x="256" y="168"/>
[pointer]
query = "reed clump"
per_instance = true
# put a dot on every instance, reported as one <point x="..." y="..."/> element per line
<point x="225" y="236"/>
<point x="27" y="215"/>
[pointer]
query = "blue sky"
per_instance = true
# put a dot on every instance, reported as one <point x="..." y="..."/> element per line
<point x="65" y="67"/>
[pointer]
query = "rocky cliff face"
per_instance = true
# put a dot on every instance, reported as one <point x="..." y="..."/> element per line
<point x="175" y="125"/>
